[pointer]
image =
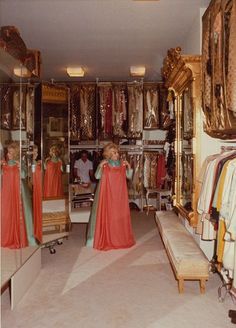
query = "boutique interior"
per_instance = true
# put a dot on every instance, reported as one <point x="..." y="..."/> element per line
<point x="158" y="79"/>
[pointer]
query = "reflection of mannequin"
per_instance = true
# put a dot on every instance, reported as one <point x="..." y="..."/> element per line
<point x="37" y="195"/>
<point x="17" y="230"/>
<point x="53" y="174"/>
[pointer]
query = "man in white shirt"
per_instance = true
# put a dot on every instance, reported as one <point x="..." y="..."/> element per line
<point x="83" y="168"/>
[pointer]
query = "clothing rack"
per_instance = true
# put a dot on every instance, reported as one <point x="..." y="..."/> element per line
<point x="226" y="281"/>
<point x="227" y="148"/>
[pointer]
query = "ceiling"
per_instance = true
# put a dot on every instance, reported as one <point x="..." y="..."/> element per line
<point x="105" y="37"/>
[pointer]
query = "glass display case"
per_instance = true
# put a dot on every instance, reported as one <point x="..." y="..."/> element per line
<point x="182" y="76"/>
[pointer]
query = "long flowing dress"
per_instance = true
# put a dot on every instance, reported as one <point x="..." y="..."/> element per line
<point x="110" y="221"/>
<point x="13" y="228"/>
<point x="37" y="201"/>
<point x="53" y="179"/>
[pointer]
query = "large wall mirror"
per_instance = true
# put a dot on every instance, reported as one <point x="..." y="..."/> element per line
<point x="185" y="155"/>
<point x="54" y="118"/>
<point x="21" y="226"/>
<point x="182" y="74"/>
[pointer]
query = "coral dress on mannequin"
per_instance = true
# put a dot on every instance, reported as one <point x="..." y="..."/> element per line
<point x="53" y="178"/>
<point x="13" y="229"/>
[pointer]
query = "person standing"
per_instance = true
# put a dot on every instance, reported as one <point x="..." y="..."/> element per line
<point x="83" y="168"/>
<point x="110" y="221"/>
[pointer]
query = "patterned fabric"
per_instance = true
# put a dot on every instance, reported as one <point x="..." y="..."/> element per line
<point x="151" y="107"/>
<point x="219" y="69"/>
<point x="87" y="112"/>
<point x="74" y="113"/>
<point x="120" y="111"/>
<point x="135" y="94"/>
<point x="105" y="110"/>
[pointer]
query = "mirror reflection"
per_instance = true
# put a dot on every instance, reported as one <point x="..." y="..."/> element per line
<point x="186" y="149"/>
<point x="55" y="141"/>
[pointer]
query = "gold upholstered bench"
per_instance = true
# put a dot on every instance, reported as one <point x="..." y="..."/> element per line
<point x="56" y="222"/>
<point x="186" y="258"/>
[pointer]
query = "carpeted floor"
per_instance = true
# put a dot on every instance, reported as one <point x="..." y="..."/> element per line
<point x="79" y="287"/>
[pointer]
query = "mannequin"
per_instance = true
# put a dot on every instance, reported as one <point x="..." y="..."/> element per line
<point x="53" y="174"/>
<point x="17" y="229"/>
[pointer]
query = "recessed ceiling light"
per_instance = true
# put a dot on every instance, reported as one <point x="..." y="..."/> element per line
<point x="137" y="70"/>
<point x="75" y="71"/>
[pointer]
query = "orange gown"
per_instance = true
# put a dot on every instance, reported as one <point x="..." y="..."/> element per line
<point x="53" y="179"/>
<point x="13" y="229"/>
<point x="37" y="201"/>
<point x="113" y="222"/>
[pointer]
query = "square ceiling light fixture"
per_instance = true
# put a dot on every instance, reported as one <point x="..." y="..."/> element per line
<point x="137" y="71"/>
<point x="75" y="71"/>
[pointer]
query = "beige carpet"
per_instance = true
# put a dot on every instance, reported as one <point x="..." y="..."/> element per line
<point x="132" y="288"/>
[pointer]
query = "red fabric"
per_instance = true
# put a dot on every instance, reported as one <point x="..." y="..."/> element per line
<point x="113" y="223"/>
<point x="13" y="230"/>
<point x="53" y="180"/>
<point x="37" y="202"/>
<point x="161" y="170"/>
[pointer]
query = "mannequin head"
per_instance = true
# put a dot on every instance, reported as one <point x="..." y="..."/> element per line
<point x="111" y="151"/>
<point x="13" y="151"/>
<point x="35" y="152"/>
<point x="54" y="151"/>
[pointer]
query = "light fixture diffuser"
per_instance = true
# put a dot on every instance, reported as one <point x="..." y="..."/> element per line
<point x="21" y="72"/>
<point x="137" y="70"/>
<point x="75" y="71"/>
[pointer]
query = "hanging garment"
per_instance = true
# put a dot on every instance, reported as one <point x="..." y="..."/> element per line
<point x="37" y="201"/>
<point x="231" y="69"/>
<point x="135" y="93"/>
<point x="74" y="112"/>
<point x="120" y="111"/>
<point x="161" y="171"/>
<point x="151" y="118"/>
<point x="87" y="112"/>
<point x="13" y="229"/>
<point x="106" y="109"/>
<point x="53" y="179"/>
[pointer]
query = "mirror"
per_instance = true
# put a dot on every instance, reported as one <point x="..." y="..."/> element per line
<point x="20" y="229"/>
<point x="55" y="159"/>
<point x="186" y="148"/>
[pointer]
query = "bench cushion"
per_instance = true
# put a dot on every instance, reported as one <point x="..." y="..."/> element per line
<point x="186" y="256"/>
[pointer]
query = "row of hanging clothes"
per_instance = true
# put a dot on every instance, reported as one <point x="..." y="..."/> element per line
<point x="217" y="209"/>
<point x="120" y="109"/>
<point x="154" y="171"/>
